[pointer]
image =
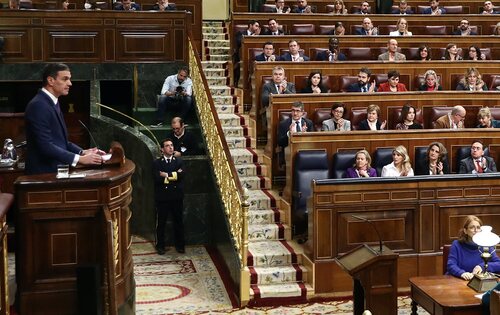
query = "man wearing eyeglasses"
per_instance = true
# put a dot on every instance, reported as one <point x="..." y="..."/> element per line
<point x="477" y="163"/>
<point x="453" y="120"/>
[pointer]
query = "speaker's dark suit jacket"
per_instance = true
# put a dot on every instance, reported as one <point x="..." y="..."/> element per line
<point x="46" y="137"/>
<point x="174" y="190"/>
<point x="284" y="127"/>
<point x="467" y="165"/>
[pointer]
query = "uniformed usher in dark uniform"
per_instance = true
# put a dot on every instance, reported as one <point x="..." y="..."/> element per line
<point x="169" y="197"/>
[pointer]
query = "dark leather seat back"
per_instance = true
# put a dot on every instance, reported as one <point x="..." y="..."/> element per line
<point x="303" y="29"/>
<point x="267" y="7"/>
<point x="359" y="53"/>
<point x="446" y="253"/>
<point x="358" y="114"/>
<point x="320" y="115"/>
<point x="346" y="80"/>
<point x="420" y="155"/>
<point x="309" y="165"/>
<point x="435" y="30"/>
<point x="454" y="9"/>
<point x="411" y="53"/>
<point x="329" y="29"/>
<point x="341" y="162"/>
<point x="386" y="29"/>
<point x="495" y="82"/>
<point x="437" y="112"/>
<point x="315" y="51"/>
<point x="495" y="113"/>
<point x="381" y="158"/>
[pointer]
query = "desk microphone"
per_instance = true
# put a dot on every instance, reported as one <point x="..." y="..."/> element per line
<point x="374" y="227"/>
<point x="88" y="131"/>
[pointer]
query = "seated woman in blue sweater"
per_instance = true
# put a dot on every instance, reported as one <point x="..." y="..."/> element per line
<point x="465" y="259"/>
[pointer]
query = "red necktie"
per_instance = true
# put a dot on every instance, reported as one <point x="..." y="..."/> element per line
<point x="479" y="167"/>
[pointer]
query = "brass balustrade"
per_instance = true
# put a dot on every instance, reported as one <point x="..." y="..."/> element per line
<point x="230" y="189"/>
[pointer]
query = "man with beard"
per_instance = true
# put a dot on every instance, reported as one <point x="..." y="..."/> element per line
<point x="363" y="85"/>
<point x="176" y="94"/>
<point x="464" y="29"/>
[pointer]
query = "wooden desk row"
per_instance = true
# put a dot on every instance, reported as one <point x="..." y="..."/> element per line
<point x="98" y="36"/>
<point x="387" y="102"/>
<point x="414" y="216"/>
<point x="412" y="69"/>
<point x="474" y="6"/>
<point x="253" y="44"/>
<point x="483" y="22"/>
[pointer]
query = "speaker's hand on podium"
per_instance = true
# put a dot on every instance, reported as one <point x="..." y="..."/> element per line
<point x="90" y="159"/>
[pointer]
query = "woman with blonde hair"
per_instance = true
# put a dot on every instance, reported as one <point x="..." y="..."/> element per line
<point x="471" y="81"/>
<point x="400" y="165"/>
<point x="485" y="120"/>
<point x="496" y="30"/>
<point x="362" y="166"/>
<point x="402" y="30"/>
<point x="339" y="7"/>
<point x="431" y="82"/>
<point x="372" y="121"/>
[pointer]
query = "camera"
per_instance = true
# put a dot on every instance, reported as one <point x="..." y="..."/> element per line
<point x="178" y="93"/>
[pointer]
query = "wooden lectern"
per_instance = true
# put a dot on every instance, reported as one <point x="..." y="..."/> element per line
<point x="375" y="279"/>
<point x="67" y="225"/>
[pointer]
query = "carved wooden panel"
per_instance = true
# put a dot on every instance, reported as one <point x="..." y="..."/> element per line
<point x="80" y="45"/>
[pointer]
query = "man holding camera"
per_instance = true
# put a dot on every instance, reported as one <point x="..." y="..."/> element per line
<point x="176" y="95"/>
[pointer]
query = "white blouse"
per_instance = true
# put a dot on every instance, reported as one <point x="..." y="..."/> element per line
<point x="390" y="170"/>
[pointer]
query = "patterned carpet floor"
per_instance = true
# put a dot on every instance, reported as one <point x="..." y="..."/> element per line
<point x="190" y="284"/>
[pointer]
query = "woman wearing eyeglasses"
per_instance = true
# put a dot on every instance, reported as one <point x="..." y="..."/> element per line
<point x="337" y="122"/>
<point x="465" y="259"/>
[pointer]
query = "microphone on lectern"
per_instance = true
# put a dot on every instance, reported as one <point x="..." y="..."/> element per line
<point x="374" y="227"/>
<point x="90" y="134"/>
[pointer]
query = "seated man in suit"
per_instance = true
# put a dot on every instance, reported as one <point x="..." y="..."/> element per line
<point x="273" y="28"/>
<point x="392" y="53"/>
<point x="252" y="30"/>
<point x="163" y="5"/>
<point x="488" y="8"/>
<point x="295" y="123"/>
<point x="363" y="84"/>
<point x="434" y="8"/>
<point x="363" y="9"/>
<point x="333" y="53"/>
<point x="454" y="120"/>
<point x="368" y="29"/>
<point x="268" y="54"/>
<point x="464" y="29"/>
<point x="278" y="86"/>
<point x="280" y="7"/>
<point x="127" y="5"/>
<point x="302" y="7"/>
<point x="477" y="162"/>
<point x="403" y="8"/>
<point x="293" y="54"/>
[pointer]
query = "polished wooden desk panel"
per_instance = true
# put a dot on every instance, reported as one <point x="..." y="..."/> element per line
<point x="444" y="295"/>
<point x="95" y="36"/>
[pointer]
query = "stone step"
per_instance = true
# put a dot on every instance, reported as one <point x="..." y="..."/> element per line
<point x="215" y="36"/>
<point x="277" y="275"/>
<point x="264" y="216"/>
<point x="283" y="290"/>
<point x="226" y="108"/>
<point x="216" y="72"/>
<point x="233" y="120"/>
<point x="212" y="23"/>
<point x="274" y="231"/>
<point x="241" y="142"/>
<point x="245" y="156"/>
<point x="260" y="199"/>
<point x="221" y="90"/>
<point x="213" y="43"/>
<point x="214" y="64"/>
<point x="217" y="51"/>
<point x="255" y="182"/>
<point x="213" y="29"/>
<point x="218" y="57"/>
<point x="236" y="131"/>
<point x="213" y="80"/>
<point x="271" y="253"/>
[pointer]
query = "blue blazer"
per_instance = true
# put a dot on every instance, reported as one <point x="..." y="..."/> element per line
<point x="323" y="56"/>
<point x="288" y="57"/>
<point x="46" y="137"/>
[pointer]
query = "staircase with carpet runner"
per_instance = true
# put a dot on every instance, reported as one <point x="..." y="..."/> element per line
<point x="277" y="275"/>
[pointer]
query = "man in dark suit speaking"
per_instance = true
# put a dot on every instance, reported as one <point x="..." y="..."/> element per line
<point x="46" y="133"/>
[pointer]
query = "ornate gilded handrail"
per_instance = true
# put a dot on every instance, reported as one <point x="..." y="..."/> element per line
<point x="227" y="178"/>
